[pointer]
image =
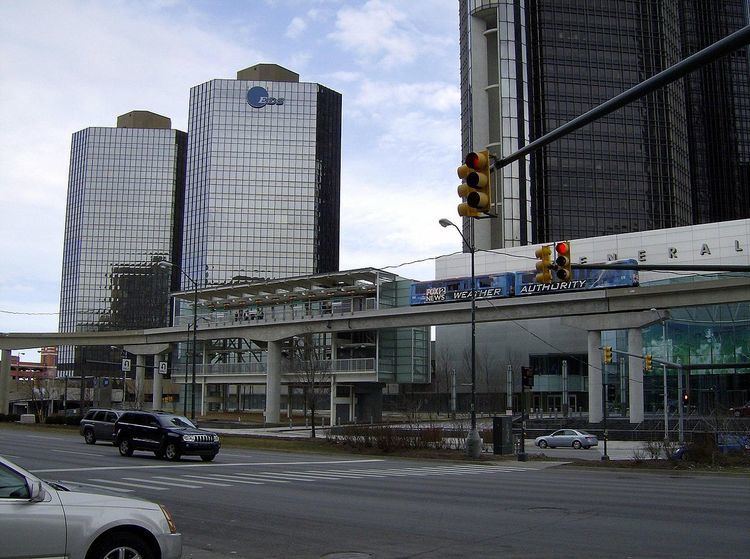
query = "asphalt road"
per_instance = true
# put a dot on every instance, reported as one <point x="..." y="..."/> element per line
<point x="252" y="504"/>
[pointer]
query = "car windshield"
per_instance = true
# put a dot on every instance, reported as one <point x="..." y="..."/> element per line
<point x="175" y="421"/>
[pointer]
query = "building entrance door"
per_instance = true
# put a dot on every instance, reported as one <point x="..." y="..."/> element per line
<point x="554" y="402"/>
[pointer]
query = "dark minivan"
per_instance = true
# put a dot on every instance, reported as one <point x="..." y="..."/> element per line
<point x="165" y="434"/>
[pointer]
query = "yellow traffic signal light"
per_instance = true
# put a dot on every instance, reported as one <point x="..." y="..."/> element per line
<point x="607" y="354"/>
<point x="544" y="265"/>
<point x="647" y="362"/>
<point x="477" y="188"/>
<point x="562" y="260"/>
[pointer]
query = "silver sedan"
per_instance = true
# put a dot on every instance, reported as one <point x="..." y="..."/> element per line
<point x="567" y="437"/>
<point x="41" y="519"/>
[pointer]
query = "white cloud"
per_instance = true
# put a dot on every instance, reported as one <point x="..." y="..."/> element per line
<point x="379" y="31"/>
<point x="296" y="27"/>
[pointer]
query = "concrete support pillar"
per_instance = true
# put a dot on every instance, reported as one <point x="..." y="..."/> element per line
<point x="157" y="384"/>
<point x="4" y="381"/>
<point x="333" y="400"/>
<point x="273" y="383"/>
<point x="635" y="375"/>
<point x="595" y="376"/>
<point x="140" y="380"/>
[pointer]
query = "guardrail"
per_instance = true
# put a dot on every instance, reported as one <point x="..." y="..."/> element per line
<point x="366" y="365"/>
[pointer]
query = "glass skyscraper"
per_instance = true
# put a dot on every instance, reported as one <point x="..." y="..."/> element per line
<point x="676" y="157"/>
<point x="263" y="178"/>
<point x="125" y="196"/>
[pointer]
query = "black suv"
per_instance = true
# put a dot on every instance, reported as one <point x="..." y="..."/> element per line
<point x="166" y="435"/>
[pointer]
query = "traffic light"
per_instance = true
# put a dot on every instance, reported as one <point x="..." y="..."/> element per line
<point x="647" y="363"/>
<point x="607" y="354"/>
<point x="544" y="264"/>
<point x="611" y="392"/>
<point x="685" y="398"/>
<point x="477" y="188"/>
<point x="527" y="377"/>
<point x="562" y="259"/>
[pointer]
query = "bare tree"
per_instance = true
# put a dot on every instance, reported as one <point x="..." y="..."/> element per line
<point x="312" y="371"/>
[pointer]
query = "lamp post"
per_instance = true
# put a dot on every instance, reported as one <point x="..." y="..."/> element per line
<point x="167" y="264"/>
<point x="474" y="441"/>
<point x="665" y="397"/>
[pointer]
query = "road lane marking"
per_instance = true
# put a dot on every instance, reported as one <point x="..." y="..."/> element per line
<point x="185" y="485"/>
<point x="233" y="480"/>
<point x="208" y="465"/>
<point x="204" y="482"/>
<point x="130" y="484"/>
<point x="261" y="477"/>
<point x="75" y="452"/>
<point x="84" y="484"/>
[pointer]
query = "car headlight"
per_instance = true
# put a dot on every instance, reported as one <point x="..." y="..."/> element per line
<point x="188" y="438"/>
<point x="216" y="438"/>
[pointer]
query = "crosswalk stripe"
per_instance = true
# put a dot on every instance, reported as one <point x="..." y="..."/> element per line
<point x="261" y="477"/>
<point x="119" y="490"/>
<point x="202" y="480"/>
<point x="291" y="477"/>
<point x="173" y="484"/>
<point x="233" y="480"/>
<point x="126" y="484"/>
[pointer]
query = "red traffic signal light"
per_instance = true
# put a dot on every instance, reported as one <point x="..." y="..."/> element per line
<point x="562" y="260"/>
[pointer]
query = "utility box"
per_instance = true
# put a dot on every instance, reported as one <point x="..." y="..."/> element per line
<point x="502" y="435"/>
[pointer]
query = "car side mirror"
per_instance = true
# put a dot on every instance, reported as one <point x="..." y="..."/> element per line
<point x="36" y="491"/>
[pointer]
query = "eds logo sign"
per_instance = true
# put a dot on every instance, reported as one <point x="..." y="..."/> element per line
<point x="258" y="98"/>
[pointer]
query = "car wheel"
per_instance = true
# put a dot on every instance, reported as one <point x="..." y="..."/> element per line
<point x="125" y="447"/>
<point x="543" y="444"/>
<point x="171" y="452"/>
<point x="577" y="445"/>
<point x="89" y="437"/>
<point x="208" y="458"/>
<point x="121" y="546"/>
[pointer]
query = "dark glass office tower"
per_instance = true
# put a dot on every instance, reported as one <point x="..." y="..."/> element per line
<point x="718" y="112"/>
<point x="676" y="157"/>
<point x="263" y="178"/>
<point x="124" y="214"/>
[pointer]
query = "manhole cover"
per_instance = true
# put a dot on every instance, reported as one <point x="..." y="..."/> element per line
<point x="346" y="555"/>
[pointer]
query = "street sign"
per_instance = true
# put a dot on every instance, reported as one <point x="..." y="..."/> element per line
<point x="162" y="367"/>
<point x="105" y="381"/>
<point x="126" y="365"/>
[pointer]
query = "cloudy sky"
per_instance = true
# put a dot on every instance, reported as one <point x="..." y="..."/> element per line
<point x="66" y="65"/>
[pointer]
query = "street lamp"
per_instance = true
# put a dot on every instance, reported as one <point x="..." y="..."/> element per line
<point x="474" y="441"/>
<point x="168" y="264"/>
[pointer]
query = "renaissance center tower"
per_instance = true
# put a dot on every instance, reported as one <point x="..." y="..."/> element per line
<point x="263" y="178"/>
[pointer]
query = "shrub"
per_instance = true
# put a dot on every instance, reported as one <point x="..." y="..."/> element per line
<point x="9" y="417"/>
<point x="55" y="420"/>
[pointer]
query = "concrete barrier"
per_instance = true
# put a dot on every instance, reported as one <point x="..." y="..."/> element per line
<point x="28" y="418"/>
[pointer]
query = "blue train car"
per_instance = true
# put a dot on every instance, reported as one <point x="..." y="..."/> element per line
<point x="582" y="280"/>
<point x="491" y="286"/>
